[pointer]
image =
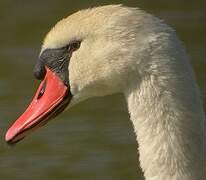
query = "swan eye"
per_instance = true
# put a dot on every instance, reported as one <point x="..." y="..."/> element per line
<point x="73" y="46"/>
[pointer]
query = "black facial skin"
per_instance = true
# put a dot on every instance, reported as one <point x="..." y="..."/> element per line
<point x="57" y="60"/>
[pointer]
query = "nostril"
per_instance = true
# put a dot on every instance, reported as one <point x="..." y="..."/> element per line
<point x="41" y="92"/>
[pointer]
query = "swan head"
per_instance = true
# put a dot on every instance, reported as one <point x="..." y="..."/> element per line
<point x="97" y="65"/>
<point x="90" y="53"/>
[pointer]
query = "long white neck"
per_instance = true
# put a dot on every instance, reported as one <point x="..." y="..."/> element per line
<point x="169" y="123"/>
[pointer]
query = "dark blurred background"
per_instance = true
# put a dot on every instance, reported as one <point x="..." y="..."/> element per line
<point x="94" y="140"/>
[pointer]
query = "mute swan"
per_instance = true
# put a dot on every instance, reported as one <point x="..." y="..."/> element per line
<point x="113" y="48"/>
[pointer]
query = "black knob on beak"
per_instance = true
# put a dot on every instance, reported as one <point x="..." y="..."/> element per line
<point x="39" y="70"/>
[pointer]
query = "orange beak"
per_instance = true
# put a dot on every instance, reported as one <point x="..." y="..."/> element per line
<point x="51" y="98"/>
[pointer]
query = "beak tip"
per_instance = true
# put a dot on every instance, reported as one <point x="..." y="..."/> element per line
<point x="8" y="136"/>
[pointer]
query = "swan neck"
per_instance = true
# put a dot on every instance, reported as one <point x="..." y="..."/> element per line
<point x="169" y="126"/>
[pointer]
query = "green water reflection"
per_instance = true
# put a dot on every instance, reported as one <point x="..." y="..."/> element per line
<point x="94" y="140"/>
